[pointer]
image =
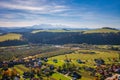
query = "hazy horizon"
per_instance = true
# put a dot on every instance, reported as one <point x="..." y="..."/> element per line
<point x="49" y="26"/>
<point x="69" y="13"/>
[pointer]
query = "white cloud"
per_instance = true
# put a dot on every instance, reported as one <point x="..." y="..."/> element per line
<point x="34" y="12"/>
<point x="17" y="24"/>
<point x="35" y="8"/>
<point x="15" y="6"/>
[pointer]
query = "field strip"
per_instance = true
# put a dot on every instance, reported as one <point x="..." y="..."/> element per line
<point x="21" y="67"/>
<point x="65" y="76"/>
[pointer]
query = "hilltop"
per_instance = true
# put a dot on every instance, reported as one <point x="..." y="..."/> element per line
<point x="55" y="31"/>
<point x="85" y="31"/>
<point x="10" y="36"/>
<point x="103" y="30"/>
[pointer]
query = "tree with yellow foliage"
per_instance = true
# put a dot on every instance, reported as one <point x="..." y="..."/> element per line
<point x="14" y="72"/>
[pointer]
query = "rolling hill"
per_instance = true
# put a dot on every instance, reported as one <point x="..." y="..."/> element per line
<point x="102" y="30"/>
<point x="10" y="36"/>
<point x="55" y="31"/>
<point x="64" y="36"/>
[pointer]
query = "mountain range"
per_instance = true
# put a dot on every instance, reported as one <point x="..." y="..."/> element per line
<point x="36" y="27"/>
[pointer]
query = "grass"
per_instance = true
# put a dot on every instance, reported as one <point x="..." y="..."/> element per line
<point x="59" y="76"/>
<point x="37" y="31"/>
<point x="59" y="63"/>
<point x="10" y="36"/>
<point x="101" y="31"/>
<point x="86" y="76"/>
<point x="85" y="32"/>
<point x="89" y="57"/>
<point x="21" y="69"/>
<point x="79" y="55"/>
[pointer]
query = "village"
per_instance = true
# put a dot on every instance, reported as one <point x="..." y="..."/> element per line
<point x="38" y="68"/>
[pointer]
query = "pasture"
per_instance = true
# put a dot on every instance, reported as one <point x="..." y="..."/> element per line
<point x="87" y="58"/>
<point x="10" y="36"/>
<point x="37" y="31"/>
<point x="101" y="31"/>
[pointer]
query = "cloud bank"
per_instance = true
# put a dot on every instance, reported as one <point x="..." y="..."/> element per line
<point x="74" y="13"/>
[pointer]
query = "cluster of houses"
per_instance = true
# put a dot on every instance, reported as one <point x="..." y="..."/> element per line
<point x="34" y="64"/>
<point x="39" y="67"/>
<point x="106" y="72"/>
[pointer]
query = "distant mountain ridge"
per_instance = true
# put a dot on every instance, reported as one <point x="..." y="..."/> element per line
<point x="37" y="27"/>
<point x="43" y="27"/>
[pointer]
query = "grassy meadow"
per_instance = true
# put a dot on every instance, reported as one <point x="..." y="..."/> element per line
<point x="101" y="31"/>
<point x="84" y="56"/>
<point x="10" y="36"/>
<point x="37" y="31"/>
<point x="87" y="58"/>
<point x="105" y="55"/>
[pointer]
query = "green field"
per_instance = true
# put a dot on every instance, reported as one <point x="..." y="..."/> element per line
<point x="85" y="57"/>
<point x="101" y="31"/>
<point x="105" y="55"/>
<point x="79" y="55"/>
<point x="59" y="76"/>
<point x="37" y="31"/>
<point x="10" y="36"/>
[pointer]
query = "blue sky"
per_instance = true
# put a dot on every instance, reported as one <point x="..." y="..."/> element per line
<point x="72" y="13"/>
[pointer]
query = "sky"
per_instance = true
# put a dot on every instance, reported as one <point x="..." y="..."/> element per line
<point x="72" y="13"/>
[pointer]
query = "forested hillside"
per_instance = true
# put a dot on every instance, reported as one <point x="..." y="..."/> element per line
<point x="73" y="37"/>
<point x="98" y="36"/>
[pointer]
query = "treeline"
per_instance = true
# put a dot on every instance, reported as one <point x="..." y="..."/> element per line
<point x="74" y="37"/>
<point x="12" y="43"/>
<point x="66" y="38"/>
